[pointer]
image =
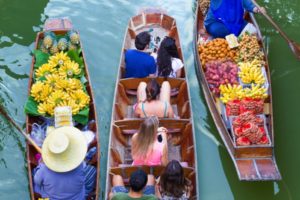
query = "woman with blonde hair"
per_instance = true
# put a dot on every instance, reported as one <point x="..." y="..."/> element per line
<point x="149" y="144"/>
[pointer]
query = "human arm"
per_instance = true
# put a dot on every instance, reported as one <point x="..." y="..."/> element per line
<point x="164" y="159"/>
<point x="133" y="143"/>
<point x="38" y="174"/>
<point x="250" y="7"/>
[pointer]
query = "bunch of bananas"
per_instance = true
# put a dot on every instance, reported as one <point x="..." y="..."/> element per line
<point x="255" y="92"/>
<point x="250" y="72"/>
<point x="229" y="92"/>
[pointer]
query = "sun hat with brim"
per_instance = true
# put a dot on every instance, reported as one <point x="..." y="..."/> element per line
<point x="64" y="149"/>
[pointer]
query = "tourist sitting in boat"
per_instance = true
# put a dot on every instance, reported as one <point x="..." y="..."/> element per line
<point x="168" y="61"/>
<point x="148" y="102"/>
<point x="141" y="187"/>
<point x="172" y="184"/>
<point x="226" y="17"/>
<point x="149" y="144"/>
<point x="62" y="172"/>
<point x="138" y="63"/>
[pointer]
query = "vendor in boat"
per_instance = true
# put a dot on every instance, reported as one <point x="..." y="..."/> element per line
<point x="226" y="17"/>
<point x="149" y="144"/>
<point x="172" y="184"/>
<point x="168" y="61"/>
<point x="138" y="62"/>
<point x="62" y="173"/>
<point x="142" y="186"/>
<point x="149" y="103"/>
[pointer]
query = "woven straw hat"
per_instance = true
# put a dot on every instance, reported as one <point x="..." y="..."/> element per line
<point x="64" y="149"/>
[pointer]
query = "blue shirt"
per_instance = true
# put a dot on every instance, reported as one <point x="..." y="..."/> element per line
<point x="210" y="18"/>
<point x="60" y="186"/>
<point x="138" y="64"/>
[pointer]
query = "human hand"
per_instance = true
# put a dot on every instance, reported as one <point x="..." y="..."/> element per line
<point x="259" y="10"/>
<point x="162" y="129"/>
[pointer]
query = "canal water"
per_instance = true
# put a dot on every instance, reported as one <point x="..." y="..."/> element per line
<point x="102" y="24"/>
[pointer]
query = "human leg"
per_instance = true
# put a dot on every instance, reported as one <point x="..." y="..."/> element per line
<point x="165" y="92"/>
<point x="118" y="184"/>
<point x="217" y="30"/>
<point x="141" y="92"/>
<point x="150" y="187"/>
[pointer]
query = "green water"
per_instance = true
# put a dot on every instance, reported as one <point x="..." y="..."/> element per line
<point x="102" y="25"/>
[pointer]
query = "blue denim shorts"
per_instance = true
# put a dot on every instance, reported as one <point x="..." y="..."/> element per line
<point x="148" y="190"/>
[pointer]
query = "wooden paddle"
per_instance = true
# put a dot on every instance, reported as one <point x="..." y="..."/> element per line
<point x="293" y="45"/>
<point x="4" y="113"/>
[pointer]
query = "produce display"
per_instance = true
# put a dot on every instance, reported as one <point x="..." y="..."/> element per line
<point x="249" y="129"/>
<point x="251" y="72"/>
<point x="216" y="49"/>
<point x="249" y="49"/>
<point x="219" y="72"/>
<point x="58" y="78"/>
<point x="232" y="92"/>
<point x="54" y="43"/>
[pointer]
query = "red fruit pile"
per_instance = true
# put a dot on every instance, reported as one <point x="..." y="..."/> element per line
<point x="249" y="129"/>
<point x="220" y="72"/>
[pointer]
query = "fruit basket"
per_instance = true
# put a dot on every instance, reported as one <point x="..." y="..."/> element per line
<point x="251" y="134"/>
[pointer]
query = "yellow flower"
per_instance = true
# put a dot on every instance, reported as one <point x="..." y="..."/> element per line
<point x="59" y="59"/>
<point x="44" y="70"/>
<point x="40" y="91"/>
<point x="46" y="108"/>
<point x="75" y="84"/>
<point x="81" y="98"/>
<point x="52" y="79"/>
<point x="69" y="69"/>
<point x="57" y="98"/>
<point x="63" y="85"/>
<point x="74" y="106"/>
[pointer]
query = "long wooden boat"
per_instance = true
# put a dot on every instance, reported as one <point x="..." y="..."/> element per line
<point x="61" y="27"/>
<point x="252" y="162"/>
<point x="123" y="122"/>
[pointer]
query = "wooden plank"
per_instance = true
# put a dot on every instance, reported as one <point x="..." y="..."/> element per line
<point x="246" y="169"/>
<point x="268" y="169"/>
<point x="133" y="83"/>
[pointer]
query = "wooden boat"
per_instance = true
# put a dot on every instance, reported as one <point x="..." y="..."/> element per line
<point x="62" y="26"/>
<point x="254" y="162"/>
<point x="123" y="122"/>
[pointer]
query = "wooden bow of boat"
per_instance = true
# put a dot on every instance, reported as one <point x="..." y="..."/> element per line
<point x="255" y="162"/>
<point x="124" y="124"/>
<point x="61" y="27"/>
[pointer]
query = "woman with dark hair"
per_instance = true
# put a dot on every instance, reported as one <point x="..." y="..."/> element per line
<point x="172" y="183"/>
<point x="149" y="144"/>
<point x="148" y="102"/>
<point x="168" y="62"/>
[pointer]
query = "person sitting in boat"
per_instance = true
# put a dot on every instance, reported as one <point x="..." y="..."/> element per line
<point x="148" y="104"/>
<point x="149" y="144"/>
<point x="138" y="63"/>
<point x="62" y="173"/>
<point x="226" y="17"/>
<point x="172" y="184"/>
<point x="168" y="61"/>
<point x="141" y="187"/>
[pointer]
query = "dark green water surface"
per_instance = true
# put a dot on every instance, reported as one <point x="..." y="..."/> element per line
<point x="102" y="24"/>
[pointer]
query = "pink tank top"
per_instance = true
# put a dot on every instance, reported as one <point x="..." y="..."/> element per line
<point x="152" y="159"/>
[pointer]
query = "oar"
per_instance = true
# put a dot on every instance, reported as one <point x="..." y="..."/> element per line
<point x="4" y="113"/>
<point x="293" y="45"/>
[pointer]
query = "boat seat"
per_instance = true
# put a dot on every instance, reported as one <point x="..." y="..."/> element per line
<point x="130" y="111"/>
<point x="126" y="170"/>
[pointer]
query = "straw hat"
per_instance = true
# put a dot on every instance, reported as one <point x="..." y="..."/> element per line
<point x="64" y="149"/>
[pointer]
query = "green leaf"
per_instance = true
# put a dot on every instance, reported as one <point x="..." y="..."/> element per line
<point x="31" y="107"/>
<point x="40" y="58"/>
<point x="74" y="55"/>
<point x="83" y="116"/>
